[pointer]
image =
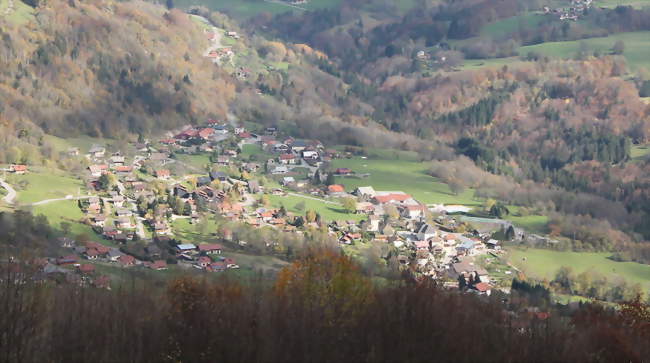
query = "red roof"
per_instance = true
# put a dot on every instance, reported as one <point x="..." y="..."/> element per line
<point x="162" y="172"/>
<point x="287" y="157"/>
<point x="209" y="247"/>
<point x="124" y="169"/>
<point x="19" y="167"/>
<point x="92" y="252"/>
<point x="205" y="133"/>
<point x="245" y="135"/>
<point x="336" y="188"/>
<point x="126" y="260"/>
<point x="159" y="265"/>
<point x="482" y="287"/>
<point x="205" y="260"/>
<point x="394" y="197"/>
<point x="343" y="171"/>
<point x="85" y="268"/>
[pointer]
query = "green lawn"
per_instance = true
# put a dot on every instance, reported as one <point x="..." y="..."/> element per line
<point x="239" y="9"/>
<point x="541" y="263"/>
<point x="44" y="184"/>
<point x="637" y="47"/>
<point x="84" y="143"/>
<point x="329" y="212"/>
<point x="21" y="14"/>
<point x="400" y="175"/>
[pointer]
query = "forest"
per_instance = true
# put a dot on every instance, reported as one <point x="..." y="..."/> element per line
<point x="319" y="308"/>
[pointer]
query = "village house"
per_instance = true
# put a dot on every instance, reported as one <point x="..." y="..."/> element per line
<point x="158" y="265"/>
<point x="287" y="159"/>
<point x="163" y="174"/>
<point x="97" y="170"/>
<point x="18" y="169"/>
<point x="126" y="260"/>
<point x="223" y="160"/>
<point x="124" y="223"/>
<point x="186" y="248"/>
<point x="343" y="171"/>
<point x="426" y="231"/>
<point x="336" y="190"/>
<point x="97" y="151"/>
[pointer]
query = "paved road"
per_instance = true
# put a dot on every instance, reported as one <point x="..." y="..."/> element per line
<point x="11" y="192"/>
<point x="47" y="201"/>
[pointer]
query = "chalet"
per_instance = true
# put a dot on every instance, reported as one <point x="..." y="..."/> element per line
<point x="335" y="190"/>
<point x="413" y="211"/>
<point x="181" y="191"/>
<point x="116" y="160"/>
<point x="366" y="192"/>
<point x="124" y="169"/>
<point x="310" y="155"/>
<point x="118" y="201"/>
<point x="223" y="160"/>
<point x="124" y="223"/>
<point x="86" y="269"/>
<point x="244" y="135"/>
<point x="158" y="265"/>
<point x="67" y="260"/>
<point x="426" y="231"/>
<point x="159" y="157"/>
<point x="483" y="288"/>
<point x="287" y="159"/>
<point x="218" y="175"/>
<point x="205" y="133"/>
<point x="203" y="181"/>
<point x="123" y="212"/>
<point x="286" y="181"/>
<point x="373" y="223"/>
<point x="114" y="254"/>
<point x="163" y="174"/>
<point x="343" y="171"/>
<point x="97" y="170"/>
<point x="391" y="198"/>
<point x="280" y="169"/>
<point x="73" y="151"/>
<point x="204" y="261"/>
<point x="217" y="266"/>
<point x="162" y="228"/>
<point x="97" y="151"/>
<point x="298" y="146"/>
<point x="421" y="245"/>
<point x="186" y="247"/>
<point x="91" y="254"/>
<point x="280" y="147"/>
<point x="18" y="169"/>
<point x="126" y="260"/>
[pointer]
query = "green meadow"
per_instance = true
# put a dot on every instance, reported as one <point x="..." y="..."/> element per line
<point x="40" y="184"/>
<point x="21" y="13"/>
<point x="637" y="47"/>
<point x="400" y="175"/>
<point x="540" y="263"/>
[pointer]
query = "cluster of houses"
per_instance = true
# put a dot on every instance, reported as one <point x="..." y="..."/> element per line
<point x="132" y="209"/>
<point x="573" y="12"/>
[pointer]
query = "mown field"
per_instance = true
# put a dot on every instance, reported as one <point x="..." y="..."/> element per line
<point x="40" y="184"/>
<point x="639" y="152"/>
<point x="541" y="264"/>
<point x="637" y="47"/>
<point x="330" y="212"/>
<point x="400" y="175"/>
<point x="507" y="26"/>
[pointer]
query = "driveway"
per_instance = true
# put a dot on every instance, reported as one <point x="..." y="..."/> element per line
<point x="11" y="192"/>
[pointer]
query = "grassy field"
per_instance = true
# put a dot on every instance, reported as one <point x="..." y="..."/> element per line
<point x="329" y="212"/>
<point x="639" y="152"/>
<point x="614" y="3"/>
<point x="41" y="184"/>
<point x="67" y="211"/>
<point x="507" y="26"/>
<point x="197" y="161"/>
<point x="403" y="175"/>
<point x="545" y="263"/>
<point x="21" y="13"/>
<point x="637" y="47"/>
<point x="534" y="224"/>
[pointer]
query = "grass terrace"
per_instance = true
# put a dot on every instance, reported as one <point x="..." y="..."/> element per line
<point x="541" y="263"/>
<point x="330" y="212"/>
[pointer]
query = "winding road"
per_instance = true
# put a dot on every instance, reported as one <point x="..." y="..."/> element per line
<point x="11" y="192"/>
